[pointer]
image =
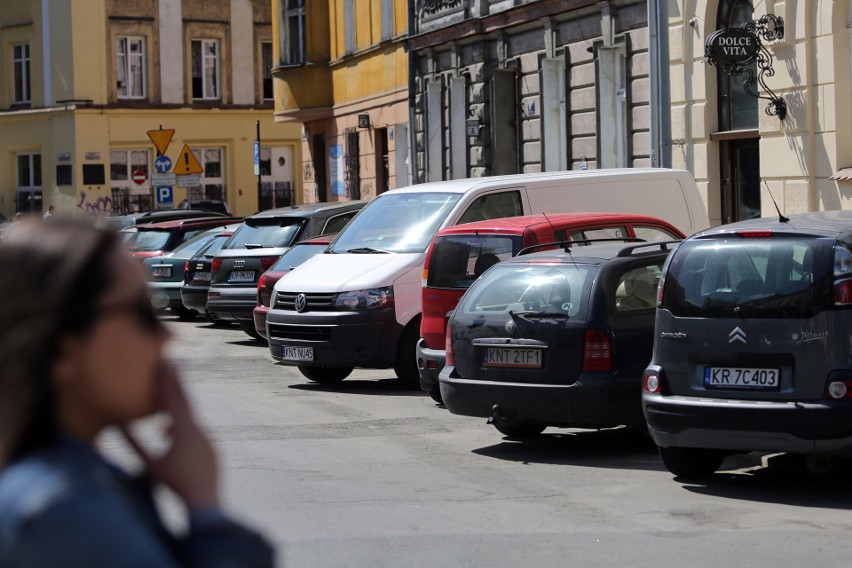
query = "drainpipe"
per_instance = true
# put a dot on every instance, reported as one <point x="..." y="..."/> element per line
<point x="412" y="75"/>
<point x="653" y="74"/>
<point x="664" y="87"/>
<point x="45" y="49"/>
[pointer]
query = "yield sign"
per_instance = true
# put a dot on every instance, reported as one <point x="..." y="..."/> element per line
<point x="187" y="163"/>
<point x="161" y="139"/>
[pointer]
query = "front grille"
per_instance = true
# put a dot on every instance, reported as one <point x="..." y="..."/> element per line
<point x="300" y="332"/>
<point x="315" y="302"/>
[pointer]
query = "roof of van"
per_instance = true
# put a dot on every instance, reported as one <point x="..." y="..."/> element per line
<point x="518" y="224"/>
<point x="835" y="222"/>
<point x="466" y="184"/>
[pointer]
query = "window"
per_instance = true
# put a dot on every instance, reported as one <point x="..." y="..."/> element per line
<point x="387" y="19"/>
<point x="457" y="260"/>
<point x="21" y="72"/>
<point x="493" y="206"/>
<point x="615" y="232"/>
<point x="293" y="38"/>
<point x="336" y="223"/>
<point x="127" y="195"/>
<point x="29" y="182"/>
<point x="266" y="69"/>
<point x="637" y="288"/>
<point x="653" y="234"/>
<point x="205" y="69"/>
<point x="130" y="68"/>
<point x="212" y="179"/>
<point x="349" y="23"/>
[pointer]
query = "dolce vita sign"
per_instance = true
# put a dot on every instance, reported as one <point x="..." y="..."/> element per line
<point x="733" y="46"/>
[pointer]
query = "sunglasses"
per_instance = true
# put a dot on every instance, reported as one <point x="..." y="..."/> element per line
<point x="139" y="307"/>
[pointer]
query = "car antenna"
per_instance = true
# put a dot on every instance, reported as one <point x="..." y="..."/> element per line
<point x="781" y="218"/>
<point x="566" y="246"/>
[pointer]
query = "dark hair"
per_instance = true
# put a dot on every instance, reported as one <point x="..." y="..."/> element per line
<point x="52" y="277"/>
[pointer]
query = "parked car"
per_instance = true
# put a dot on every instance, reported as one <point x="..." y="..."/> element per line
<point x="460" y="254"/>
<point x="255" y="247"/>
<point x="157" y="239"/>
<point x="555" y="338"/>
<point x="118" y="222"/>
<point x="296" y="255"/>
<point x="165" y="274"/>
<point x="206" y="204"/>
<point x="197" y="274"/>
<point x="366" y="295"/>
<point x="752" y="351"/>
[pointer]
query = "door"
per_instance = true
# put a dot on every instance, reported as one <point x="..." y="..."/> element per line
<point x="740" y="179"/>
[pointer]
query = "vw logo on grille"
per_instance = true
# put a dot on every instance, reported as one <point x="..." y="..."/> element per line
<point x="301" y="303"/>
<point x="510" y="327"/>
<point x="239" y="264"/>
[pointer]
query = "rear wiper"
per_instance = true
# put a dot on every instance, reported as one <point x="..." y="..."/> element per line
<point x="253" y="245"/>
<point x="367" y="250"/>
<point x="533" y="314"/>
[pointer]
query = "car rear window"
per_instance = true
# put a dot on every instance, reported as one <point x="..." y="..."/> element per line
<point x="213" y="246"/>
<point x="531" y="288"/>
<point x="265" y="235"/>
<point x="296" y="256"/>
<point x="750" y="277"/>
<point x="457" y="260"/>
<point x="192" y="245"/>
<point x="149" y="240"/>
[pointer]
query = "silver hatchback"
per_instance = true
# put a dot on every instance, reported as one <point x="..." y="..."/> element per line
<point x="752" y="347"/>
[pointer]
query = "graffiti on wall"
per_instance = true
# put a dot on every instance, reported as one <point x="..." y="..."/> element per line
<point x="94" y="207"/>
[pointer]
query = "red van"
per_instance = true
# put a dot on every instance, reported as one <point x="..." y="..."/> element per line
<point x="461" y="253"/>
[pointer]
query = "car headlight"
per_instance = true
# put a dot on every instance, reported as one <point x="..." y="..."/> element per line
<point x="369" y="299"/>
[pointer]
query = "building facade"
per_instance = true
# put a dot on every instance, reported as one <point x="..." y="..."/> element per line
<point x="84" y="81"/>
<point x="342" y="75"/>
<point x="516" y="86"/>
<point x="743" y="157"/>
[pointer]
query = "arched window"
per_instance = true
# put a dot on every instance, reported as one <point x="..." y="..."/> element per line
<point x="737" y="109"/>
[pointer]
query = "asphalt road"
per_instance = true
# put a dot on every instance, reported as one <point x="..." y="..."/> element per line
<point x="363" y="473"/>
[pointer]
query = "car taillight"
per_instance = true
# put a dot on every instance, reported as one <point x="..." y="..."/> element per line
<point x="267" y="261"/>
<point x="448" y="346"/>
<point x="843" y="292"/>
<point x="216" y="265"/>
<point x="653" y="382"/>
<point x="186" y="266"/>
<point x="838" y="389"/>
<point x="262" y="299"/>
<point x="597" y="352"/>
<point x="754" y="234"/>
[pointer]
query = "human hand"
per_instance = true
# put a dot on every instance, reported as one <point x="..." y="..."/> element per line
<point x="189" y="465"/>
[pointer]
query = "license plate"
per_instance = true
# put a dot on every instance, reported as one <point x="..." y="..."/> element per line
<point x="513" y="357"/>
<point x="161" y="271"/>
<point x="742" y="378"/>
<point x="241" y="276"/>
<point x="202" y="276"/>
<point x="298" y="353"/>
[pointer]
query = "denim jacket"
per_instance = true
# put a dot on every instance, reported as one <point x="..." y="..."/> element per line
<point x="67" y="506"/>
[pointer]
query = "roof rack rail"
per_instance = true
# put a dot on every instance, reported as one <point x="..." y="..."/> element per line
<point x="567" y="244"/>
<point x="627" y="251"/>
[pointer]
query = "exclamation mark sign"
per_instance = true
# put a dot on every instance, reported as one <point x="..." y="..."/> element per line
<point x="186" y="159"/>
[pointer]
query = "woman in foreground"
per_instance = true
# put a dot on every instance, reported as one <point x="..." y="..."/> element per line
<point x="81" y="350"/>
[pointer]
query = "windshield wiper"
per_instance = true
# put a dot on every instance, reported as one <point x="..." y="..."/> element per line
<point x="253" y="245"/>
<point x="367" y="250"/>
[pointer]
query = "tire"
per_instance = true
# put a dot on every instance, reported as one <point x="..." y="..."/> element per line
<point x="406" y="356"/>
<point x="520" y="430"/>
<point x="248" y="327"/>
<point x="184" y="313"/>
<point x="325" y="374"/>
<point x="435" y="393"/>
<point x="691" y="463"/>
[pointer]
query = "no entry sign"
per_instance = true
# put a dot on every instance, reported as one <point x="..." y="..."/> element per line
<point x="139" y="177"/>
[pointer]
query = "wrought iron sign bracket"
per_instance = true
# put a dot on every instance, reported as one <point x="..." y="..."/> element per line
<point x="735" y="50"/>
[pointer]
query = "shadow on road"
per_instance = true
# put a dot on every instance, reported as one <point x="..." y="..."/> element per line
<point x="782" y="479"/>
<point x="359" y="386"/>
<point x="249" y="343"/>
<point x="610" y="448"/>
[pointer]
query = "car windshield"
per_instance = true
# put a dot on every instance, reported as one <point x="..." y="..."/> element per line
<point x="149" y="240"/>
<point x="533" y="289"/>
<point x="262" y="234"/>
<point x="296" y="256"/>
<point x="213" y="246"/>
<point x="191" y="246"/>
<point x="750" y="277"/>
<point x="457" y="260"/>
<point x="401" y="223"/>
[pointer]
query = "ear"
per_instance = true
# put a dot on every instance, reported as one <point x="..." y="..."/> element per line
<point x="68" y="364"/>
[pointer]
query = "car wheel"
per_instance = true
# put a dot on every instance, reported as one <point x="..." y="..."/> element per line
<point x="248" y="327"/>
<point x="183" y="312"/>
<point x="325" y="374"/>
<point x="435" y="393"/>
<point x="520" y="430"/>
<point x="691" y="463"/>
<point x="406" y="356"/>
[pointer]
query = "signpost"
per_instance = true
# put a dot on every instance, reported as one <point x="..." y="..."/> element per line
<point x="139" y="177"/>
<point x="165" y="197"/>
<point x="161" y="139"/>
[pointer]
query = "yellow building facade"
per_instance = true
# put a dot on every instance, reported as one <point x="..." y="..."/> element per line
<point x="742" y="156"/>
<point x="342" y="74"/>
<point x="84" y="81"/>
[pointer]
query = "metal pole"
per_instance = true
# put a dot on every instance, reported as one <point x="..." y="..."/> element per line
<point x="653" y="72"/>
<point x="259" y="195"/>
<point x="664" y="87"/>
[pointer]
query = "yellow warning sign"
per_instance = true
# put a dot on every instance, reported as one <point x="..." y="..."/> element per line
<point x="187" y="163"/>
<point x="161" y="139"/>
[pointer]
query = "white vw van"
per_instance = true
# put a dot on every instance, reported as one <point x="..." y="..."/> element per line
<point x="358" y="305"/>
